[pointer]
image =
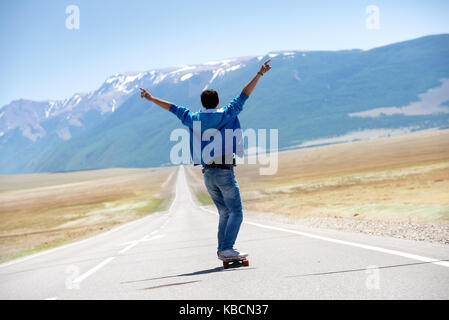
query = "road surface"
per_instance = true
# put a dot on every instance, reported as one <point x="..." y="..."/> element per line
<point x="172" y="255"/>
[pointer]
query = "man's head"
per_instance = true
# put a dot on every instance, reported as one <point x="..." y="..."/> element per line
<point x="209" y="99"/>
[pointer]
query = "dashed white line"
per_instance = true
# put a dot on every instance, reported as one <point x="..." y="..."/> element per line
<point x="132" y="244"/>
<point x="146" y="238"/>
<point x="93" y="270"/>
<point x="128" y="247"/>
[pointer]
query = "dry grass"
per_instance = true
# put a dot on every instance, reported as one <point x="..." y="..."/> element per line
<point x="39" y="211"/>
<point x="402" y="178"/>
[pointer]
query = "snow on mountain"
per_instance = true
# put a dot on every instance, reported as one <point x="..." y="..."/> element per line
<point x="186" y="68"/>
<point x="123" y="82"/>
<point x="29" y="115"/>
<point x="51" y="104"/>
<point x="159" y="78"/>
<point x="186" y="76"/>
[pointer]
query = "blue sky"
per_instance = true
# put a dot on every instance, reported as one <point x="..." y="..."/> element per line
<point x="41" y="59"/>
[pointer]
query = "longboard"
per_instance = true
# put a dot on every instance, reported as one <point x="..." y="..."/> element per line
<point x="235" y="262"/>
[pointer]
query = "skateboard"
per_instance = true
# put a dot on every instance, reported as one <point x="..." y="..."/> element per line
<point x="234" y="262"/>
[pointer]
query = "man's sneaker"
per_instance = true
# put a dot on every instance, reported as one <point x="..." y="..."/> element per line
<point x="231" y="253"/>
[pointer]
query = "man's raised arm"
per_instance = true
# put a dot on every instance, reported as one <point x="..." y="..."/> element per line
<point x="252" y="84"/>
<point x="183" y="114"/>
<point x="161" y="103"/>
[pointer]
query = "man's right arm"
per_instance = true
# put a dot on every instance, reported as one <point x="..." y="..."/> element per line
<point x="183" y="114"/>
<point x="161" y="103"/>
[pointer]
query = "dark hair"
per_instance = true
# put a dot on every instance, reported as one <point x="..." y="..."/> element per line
<point x="209" y="99"/>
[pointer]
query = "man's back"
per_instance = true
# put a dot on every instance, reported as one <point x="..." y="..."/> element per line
<point x="211" y="124"/>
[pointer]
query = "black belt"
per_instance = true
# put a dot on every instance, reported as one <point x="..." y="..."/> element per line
<point x="223" y="165"/>
<point x="219" y="166"/>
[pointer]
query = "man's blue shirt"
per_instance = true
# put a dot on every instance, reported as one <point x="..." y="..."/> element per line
<point x="219" y="119"/>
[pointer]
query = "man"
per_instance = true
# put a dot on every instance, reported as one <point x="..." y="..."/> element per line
<point x="218" y="167"/>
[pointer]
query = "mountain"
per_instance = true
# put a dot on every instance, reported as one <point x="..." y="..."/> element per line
<point x="312" y="97"/>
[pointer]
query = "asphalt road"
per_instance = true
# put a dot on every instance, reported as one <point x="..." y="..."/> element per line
<point x="172" y="255"/>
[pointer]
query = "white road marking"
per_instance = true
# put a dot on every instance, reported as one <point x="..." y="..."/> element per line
<point x="146" y="238"/>
<point x="93" y="270"/>
<point x="348" y="243"/>
<point x="149" y="237"/>
<point x="128" y="247"/>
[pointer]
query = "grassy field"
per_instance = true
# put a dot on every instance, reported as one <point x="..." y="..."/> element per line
<point x="404" y="178"/>
<point x="40" y="211"/>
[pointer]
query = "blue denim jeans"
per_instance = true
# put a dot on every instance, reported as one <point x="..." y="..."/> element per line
<point x="225" y="193"/>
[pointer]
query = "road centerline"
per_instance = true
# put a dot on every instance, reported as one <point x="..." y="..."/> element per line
<point x="93" y="270"/>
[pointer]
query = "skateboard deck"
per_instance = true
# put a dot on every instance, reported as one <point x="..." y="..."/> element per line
<point x="234" y="262"/>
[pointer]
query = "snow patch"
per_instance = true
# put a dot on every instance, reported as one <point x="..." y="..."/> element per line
<point x="112" y="79"/>
<point x="215" y="74"/>
<point x="233" y="68"/>
<point x="430" y="102"/>
<point x="185" y="68"/>
<point x="121" y="82"/>
<point x="132" y="78"/>
<point x="78" y="100"/>
<point x="159" y="78"/>
<point x="186" y="76"/>
<point x="227" y="61"/>
<point x="50" y="107"/>
<point x="221" y="72"/>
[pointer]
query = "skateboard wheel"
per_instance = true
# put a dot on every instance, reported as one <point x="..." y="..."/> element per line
<point x="225" y="264"/>
<point x="245" y="262"/>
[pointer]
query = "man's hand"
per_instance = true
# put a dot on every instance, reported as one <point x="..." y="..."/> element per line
<point x="252" y="84"/>
<point x="145" y="94"/>
<point x="265" y="67"/>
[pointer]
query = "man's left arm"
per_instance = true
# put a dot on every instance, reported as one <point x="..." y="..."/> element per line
<point x="236" y="105"/>
<point x="248" y="89"/>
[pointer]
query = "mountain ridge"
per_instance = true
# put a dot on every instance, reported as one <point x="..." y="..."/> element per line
<point x="327" y="86"/>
